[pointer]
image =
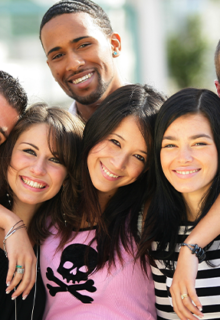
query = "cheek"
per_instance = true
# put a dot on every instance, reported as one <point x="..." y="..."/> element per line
<point x="96" y="152"/>
<point x="212" y="162"/>
<point x="55" y="70"/>
<point x="165" y="160"/>
<point x="136" y="170"/>
<point x="10" y="175"/>
<point x="18" y="161"/>
<point x="61" y="175"/>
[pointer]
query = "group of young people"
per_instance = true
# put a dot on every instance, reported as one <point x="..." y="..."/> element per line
<point x="108" y="205"/>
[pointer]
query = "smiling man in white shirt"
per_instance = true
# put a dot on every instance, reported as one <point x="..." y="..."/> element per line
<point x="81" y="48"/>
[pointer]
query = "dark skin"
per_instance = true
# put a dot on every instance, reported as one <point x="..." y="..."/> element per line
<point x="82" y="59"/>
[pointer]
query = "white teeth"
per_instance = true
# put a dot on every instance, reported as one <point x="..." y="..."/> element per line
<point x="109" y="174"/>
<point x="79" y="80"/>
<point x="33" y="184"/>
<point x="187" y="172"/>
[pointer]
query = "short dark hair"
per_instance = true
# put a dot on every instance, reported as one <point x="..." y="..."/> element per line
<point x="119" y="220"/>
<point x="167" y="209"/>
<point x="75" y="6"/>
<point x="13" y="92"/>
<point x="65" y="135"/>
<point x="217" y="63"/>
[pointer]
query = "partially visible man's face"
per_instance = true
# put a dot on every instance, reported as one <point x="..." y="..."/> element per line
<point x="79" y="56"/>
<point x="8" y="118"/>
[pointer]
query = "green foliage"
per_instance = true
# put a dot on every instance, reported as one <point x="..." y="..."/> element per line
<point x="186" y="54"/>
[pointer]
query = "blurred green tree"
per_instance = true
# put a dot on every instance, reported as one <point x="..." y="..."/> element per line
<point x="186" y="51"/>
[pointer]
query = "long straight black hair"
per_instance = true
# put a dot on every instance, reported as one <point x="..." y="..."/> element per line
<point x="118" y="223"/>
<point x="167" y="209"/>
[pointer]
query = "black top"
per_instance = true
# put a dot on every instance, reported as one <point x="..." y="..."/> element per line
<point x="24" y="308"/>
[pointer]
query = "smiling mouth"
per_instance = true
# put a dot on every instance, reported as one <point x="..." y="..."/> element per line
<point x="109" y="173"/>
<point x="82" y="79"/>
<point x="33" y="184"/>
<point x="187" y="172"/>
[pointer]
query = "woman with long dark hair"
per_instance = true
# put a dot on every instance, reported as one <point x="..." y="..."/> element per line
<point x="38" y="180"/>
<point x="95" y="275"/>
<point x="187" y="156"/>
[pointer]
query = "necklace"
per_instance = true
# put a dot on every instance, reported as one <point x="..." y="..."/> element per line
<point x="35" y="290"/>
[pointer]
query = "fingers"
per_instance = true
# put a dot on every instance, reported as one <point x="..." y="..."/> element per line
<point x="20" y="252"/>
<point x="10" y="274"/>
<point x="194" y="298"/>
<point x="28" y="280"/>
<point x="182" y="304"/>
<point x="25" y="281"/>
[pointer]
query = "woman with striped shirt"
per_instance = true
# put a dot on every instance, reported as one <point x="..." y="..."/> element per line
<point x="187" y="162"/>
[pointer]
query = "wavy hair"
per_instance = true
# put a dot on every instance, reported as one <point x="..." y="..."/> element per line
<point x="65" y="141"/>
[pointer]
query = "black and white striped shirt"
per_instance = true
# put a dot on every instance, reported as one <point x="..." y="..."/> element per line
<point x="207" y="282"/>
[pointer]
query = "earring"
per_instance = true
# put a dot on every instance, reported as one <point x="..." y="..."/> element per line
<point x="9" y="199"/>
<point x="115" y="53"/>
<point x="64" y="218"/>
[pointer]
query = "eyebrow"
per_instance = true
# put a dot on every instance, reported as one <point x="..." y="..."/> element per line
<point x="72" y="41"/>
<point x="124" y="140"/>
<point x="30" y="144"/>
<point x="202" y="135"/>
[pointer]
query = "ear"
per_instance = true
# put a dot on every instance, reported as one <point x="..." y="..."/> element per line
<point x="115" y="44"/>
<point x="217" y="84"/>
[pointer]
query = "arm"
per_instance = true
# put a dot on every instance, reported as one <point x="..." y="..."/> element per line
<point x="20" y="251"/>
<point x="184" y="278"/>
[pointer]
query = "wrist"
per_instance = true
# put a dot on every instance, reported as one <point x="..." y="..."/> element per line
<point x="7" y="219"/>
<point x="196" y="250"/>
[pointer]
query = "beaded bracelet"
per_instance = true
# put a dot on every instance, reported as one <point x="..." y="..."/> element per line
<point x="11" y="232"/>
<point x="195" y="249"/>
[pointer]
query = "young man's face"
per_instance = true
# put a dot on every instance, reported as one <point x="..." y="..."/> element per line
<point x="80" y="56"/>
<point x="8" y="118"/>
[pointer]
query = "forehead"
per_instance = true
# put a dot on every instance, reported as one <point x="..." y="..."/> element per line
<point x="8" y="118"/>
<point x="189" y="124"/>
<point x="129" y="128"/>
<point x="73" y="25"/>
<point x="34" y="130"/>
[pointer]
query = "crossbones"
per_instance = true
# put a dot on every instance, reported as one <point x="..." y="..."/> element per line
<point x="73" y="289"/>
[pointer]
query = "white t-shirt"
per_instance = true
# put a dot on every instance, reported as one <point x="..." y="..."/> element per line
<point x="73" y="109"/>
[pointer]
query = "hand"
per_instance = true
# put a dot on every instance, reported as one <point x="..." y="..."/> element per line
<point x="20" y="252"/>
<point x="184" y="282"/>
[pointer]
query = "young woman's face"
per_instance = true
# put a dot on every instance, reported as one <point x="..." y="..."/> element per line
<point x="189" y="157"/>
<point x="119" y="159"/>
<point x="34" y="175"/>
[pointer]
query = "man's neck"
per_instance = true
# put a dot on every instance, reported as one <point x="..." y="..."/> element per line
<point x="86" y="111"/>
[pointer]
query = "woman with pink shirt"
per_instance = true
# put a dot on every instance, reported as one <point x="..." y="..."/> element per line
<point x="94" y="275"/>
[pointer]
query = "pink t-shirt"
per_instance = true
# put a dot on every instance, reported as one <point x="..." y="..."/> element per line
<point x="73" y="292"/>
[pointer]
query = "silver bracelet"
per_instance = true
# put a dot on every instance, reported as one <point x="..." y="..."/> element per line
<point x="11" y="232"/>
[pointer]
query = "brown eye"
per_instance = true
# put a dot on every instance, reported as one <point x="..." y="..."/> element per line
<point x="139" y="157"/>
<point x="116" y="142"/>
<point x="30" y="151"/>
<point x="55" y="160"/>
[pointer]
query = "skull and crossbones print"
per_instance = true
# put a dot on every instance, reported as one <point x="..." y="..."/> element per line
<point x="76" y="263"/>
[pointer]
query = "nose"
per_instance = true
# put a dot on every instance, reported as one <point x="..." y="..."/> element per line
<point x="74" y="62"/>
<point x="119" y="161"/>
<point x="185" y="155"/>
<point x="38" y="167"/>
